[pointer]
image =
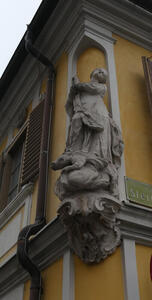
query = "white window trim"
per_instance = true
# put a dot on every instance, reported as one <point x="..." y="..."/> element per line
<point x="130" y="270"/>
<point x="15" y="294"/>
<point x="23" y="199"/>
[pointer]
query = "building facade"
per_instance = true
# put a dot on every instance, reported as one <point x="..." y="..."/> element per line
<point x="76" y="37"/>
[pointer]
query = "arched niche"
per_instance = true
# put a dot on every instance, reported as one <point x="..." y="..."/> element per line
<point x="100" y="41"/>
<point x="90" y="59"/>
<point x="100" y="52"/>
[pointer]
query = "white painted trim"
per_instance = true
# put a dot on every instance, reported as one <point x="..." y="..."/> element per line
<point x="130" y="270"/>
<point x="16" y="294"/>
<point x="23" y="199"/>
<point x="27" y="210"/>
<point x="68" y="292"/>
<point x="123" y="18"/>
<point x="136" y="224"/>
<point x="9" y="235"/>
<point x="131" y="204"/>
<point x="15" y="204"/>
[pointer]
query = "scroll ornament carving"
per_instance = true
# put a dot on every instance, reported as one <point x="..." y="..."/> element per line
<point x="88" y="184"/>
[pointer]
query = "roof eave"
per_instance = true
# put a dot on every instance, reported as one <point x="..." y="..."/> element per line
<point x="38" y="22"/>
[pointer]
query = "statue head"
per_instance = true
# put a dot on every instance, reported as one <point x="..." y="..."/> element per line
<point x="99" y="75"/>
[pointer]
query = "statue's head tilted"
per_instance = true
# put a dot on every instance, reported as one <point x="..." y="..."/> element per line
<point x="99" y="74"/>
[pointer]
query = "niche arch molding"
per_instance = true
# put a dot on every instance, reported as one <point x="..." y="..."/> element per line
<point x="93" y="35"/>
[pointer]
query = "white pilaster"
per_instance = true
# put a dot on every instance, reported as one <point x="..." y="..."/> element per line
<point x="68" y="277"/>
<point x="130" y="270"/>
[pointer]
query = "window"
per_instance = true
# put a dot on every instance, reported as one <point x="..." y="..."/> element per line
<point x="21" y="163"/>
<point x="15" y="172"/>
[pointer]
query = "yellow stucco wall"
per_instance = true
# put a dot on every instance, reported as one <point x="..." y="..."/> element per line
<point x="137" y="127"/>
<point x="137" y="134"/>
<point x="52" y="283"/>
<point x="103" y="281"/>
<point x="3" y="145"/>
<point x="134" y="109"/>
<point x="90" y="59"/>
<point x="143" y="255"/>
<point x="58" y="132"/>
<point x="27" y="290"/>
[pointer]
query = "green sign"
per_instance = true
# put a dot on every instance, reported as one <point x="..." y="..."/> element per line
<point x="138" y="192"/>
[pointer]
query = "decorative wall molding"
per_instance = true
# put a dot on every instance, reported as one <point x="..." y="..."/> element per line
<point x="123" y="18"/>
<point x="136" y="224"/>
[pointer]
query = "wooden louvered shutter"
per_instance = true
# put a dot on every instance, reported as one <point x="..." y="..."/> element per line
<point x="30" y="167"/>
<point x="147" y="65"/>
<point x="5" y="182"/>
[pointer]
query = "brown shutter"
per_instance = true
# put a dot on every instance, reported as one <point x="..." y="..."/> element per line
<point x="147" y="64"/>
<point x="1" y="167"/>
<point x="5" y="182"/>
<point x="30" y="167"/>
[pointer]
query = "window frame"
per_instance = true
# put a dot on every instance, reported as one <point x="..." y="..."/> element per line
<point x="8" y="153"/>
<point x="31" y="132"/>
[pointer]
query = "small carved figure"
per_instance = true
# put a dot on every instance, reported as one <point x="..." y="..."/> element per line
<point x="88" y="184"/>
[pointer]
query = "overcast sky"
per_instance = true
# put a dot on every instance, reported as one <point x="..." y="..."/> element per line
<point x="14" y="15"/>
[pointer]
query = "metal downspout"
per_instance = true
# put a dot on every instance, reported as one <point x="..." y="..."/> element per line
<point x="40" y="220"/>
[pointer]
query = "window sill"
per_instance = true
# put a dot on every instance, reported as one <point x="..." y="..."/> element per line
<point x="15" y="204"/>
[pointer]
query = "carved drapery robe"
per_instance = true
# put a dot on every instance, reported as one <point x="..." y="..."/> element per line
<point x="91" y="128"/>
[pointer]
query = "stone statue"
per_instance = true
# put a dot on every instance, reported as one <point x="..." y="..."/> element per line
<point x="88" y="184"/>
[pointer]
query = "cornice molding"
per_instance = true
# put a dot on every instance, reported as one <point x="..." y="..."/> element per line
<point x="136" y="224"/>
<point x="48" y="246"/>
<point x="51" y="243"/>
<point x="123" y="18"/>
